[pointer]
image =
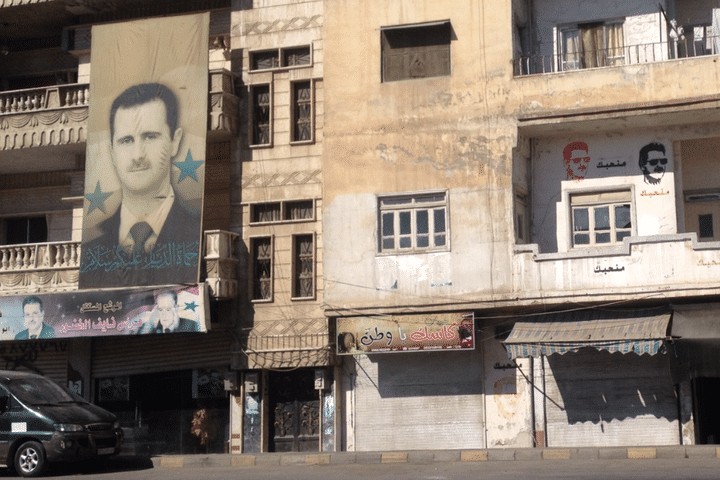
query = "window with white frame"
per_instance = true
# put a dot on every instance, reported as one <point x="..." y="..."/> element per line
<point x="413" y="223"/>
<point x="601" y="219"/>
<point x="589" y="45"/>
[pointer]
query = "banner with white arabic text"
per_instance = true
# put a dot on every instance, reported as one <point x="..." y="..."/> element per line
<point x="102" y="313"/>
<point x="399" y="333"/>
<point x="145" y="154"/>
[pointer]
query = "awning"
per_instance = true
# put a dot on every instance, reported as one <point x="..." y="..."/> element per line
<point x="636" y="331"/>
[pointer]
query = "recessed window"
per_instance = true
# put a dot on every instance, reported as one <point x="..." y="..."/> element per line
<point x="261" y="114"/>
<point x="303" y="266"/>
<point x="302" y="112"/>
<point x="601" y="219"/>
<point x="283" y="211"/>
<point x="262" y="271"/>
<point x="590" y="45"/>
<point x="287" y="57"/>
<point x="414" y="223"/>
<point x="20" y="230"/>
<point x="417" y="51"/>
<point x="706" y="226"/>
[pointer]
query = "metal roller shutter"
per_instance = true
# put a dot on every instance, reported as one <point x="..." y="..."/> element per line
<point x="113" y="356"/>
<point x="599" y="399"/>
<point x="47" y="358"/>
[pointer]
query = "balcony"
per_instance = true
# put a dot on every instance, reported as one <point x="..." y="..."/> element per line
<point x="54" y="266"/>
<point x="57" y="115"/>
<point x="617" y="56"/>
<point x="642" y="268"/>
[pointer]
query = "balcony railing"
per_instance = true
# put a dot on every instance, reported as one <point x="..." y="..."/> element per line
<point x="617" y="56"/>
<point x="45" y="98"/>
<point x="55" y="265"/>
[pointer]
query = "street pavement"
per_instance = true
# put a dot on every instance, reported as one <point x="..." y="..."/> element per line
<point x="637" y="463"/>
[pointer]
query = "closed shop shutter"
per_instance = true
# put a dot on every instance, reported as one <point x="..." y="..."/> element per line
<point x="113" y="356"/>
<point x="419" y="401"/>
<point x="596" y="398"/>
<point x="47" y="358"/>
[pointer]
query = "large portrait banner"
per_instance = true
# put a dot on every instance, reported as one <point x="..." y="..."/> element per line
<point x="103" y="313"/>
<point x="145" y="156"/>
<point x="405" y="333"/>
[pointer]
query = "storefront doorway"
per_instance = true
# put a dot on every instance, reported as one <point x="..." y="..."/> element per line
<point x="294" y="411"/>
<point x="177" y="412"/>
<point x="706" y="391"/>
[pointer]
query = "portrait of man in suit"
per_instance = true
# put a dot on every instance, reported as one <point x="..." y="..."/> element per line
<point x="151" y="231"/>
<point x="165" y="317"/>
<point x="34" y="315"/>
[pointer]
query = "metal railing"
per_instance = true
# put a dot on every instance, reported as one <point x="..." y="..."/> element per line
<point x="617" y="56"/>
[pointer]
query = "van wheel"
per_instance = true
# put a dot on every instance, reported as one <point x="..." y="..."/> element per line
<point x="30" y="460"/>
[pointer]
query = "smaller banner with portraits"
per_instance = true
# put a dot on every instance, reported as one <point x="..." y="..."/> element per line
<point x="103" y="313"/>
<point x="401" y="333"/>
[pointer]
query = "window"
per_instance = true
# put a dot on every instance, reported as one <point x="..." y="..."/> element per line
<point x="303" y="266"/>
<point x="591" y="45"/>
<point x="288" y="210"/>
<point x="416" y="223"/>
<point x="276" y="58"/>
<point x="601" y="219"/>
<point x="417" y="51"/>
<point x="24" y="230"/>
<point x="706" y="226"/>
<point x="261" y="249"/>
<point x="302" y="118"/>
<point x="261" y="114"/>
<point x="521" y="219"/>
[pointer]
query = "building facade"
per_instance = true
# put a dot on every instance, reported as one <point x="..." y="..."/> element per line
<point x="424" y="224"/>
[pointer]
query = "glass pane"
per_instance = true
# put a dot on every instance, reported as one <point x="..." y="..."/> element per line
<point x="395" y="201"/>
<point x="439" y="217"/>
<point x="582" y="239"/>
<point x="423" y="241"/>
<point x="388" y="227"/>
<point x="405" y="227"/>
<point x="421" y="218"/>
<point x="581" y="221"/>
<point x="440" y="240"/>
<point x="602" y="237"/>
<point x="388" y="243"/>
<point x="405" y="242"/>
<point x="622" y="216"/>
<point x="602" y="218"/>
<point x="620" y="235"/>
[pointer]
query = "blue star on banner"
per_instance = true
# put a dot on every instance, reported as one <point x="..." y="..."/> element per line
<point x="191" y="306"/>
<point x="97" y="199"/>
<point x="188" y="167"/>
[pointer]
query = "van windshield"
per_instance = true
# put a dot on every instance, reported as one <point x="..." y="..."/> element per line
<point x="40" y="391"/>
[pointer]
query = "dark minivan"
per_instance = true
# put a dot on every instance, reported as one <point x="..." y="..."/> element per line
<point x="42" y="422"/>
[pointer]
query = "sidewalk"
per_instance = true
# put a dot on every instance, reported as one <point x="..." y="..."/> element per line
<point x="435" y="456"/>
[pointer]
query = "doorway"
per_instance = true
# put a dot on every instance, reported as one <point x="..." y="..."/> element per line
<point x="706" y="391"/>
<point x="294" y="411"/>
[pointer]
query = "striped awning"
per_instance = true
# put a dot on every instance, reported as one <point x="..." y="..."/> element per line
<point x="638" y="331"/>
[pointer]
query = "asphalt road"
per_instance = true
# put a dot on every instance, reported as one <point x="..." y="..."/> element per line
<point x="655" y="469"/>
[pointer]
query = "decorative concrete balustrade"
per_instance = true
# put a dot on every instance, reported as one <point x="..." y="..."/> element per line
<point x="54" y="266"/>
<point x="57" y="115"/>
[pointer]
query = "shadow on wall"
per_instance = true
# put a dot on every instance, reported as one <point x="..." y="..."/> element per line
<point x="420" y="374"/>
<point x="598" y="386"/>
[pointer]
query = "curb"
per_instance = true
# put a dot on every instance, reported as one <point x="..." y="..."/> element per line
<point x="439" y="456"/>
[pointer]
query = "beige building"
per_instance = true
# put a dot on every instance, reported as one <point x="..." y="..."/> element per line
<point x="524" y="189"/>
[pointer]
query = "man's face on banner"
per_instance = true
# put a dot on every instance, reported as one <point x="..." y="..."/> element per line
<point x="34" y="317"/>
<point x="167" y="312"/>
<point x="143" y="147"/>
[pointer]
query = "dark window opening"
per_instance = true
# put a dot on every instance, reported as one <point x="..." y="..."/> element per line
<point x="706" y="226"/>
<point x="416" y="52"/>
<point x="25" y="230"/>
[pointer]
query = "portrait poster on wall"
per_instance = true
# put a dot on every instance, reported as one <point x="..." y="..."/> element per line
<point x="145" y="157"/>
